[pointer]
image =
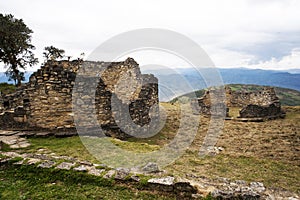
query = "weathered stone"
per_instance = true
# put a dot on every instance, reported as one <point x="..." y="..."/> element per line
<point x="121" y="173"/>
<point x="43" y="134"/>
<point x="109" y="174"/>
<point x="85" y="163"/>
<point x="135" y="178"/>
<point x="11" y="154"/>
<point x="81" y="168"/>
<point x="9" y="140"/>
<point x="150" y="168"/>
<point x="7" y="133"/>
<point x="32" y="161"/>
<point x="95" y="172"/>
<point x="21" y="162"/>
<point x="256" y="104"/>
<point x="14" y="141"/>
<point x="257" y="186"/>
<point x="292" y="198"/>
<point x="164" y="184"/>
<point x="46" y="101"/>
<point x="21" y="145"/>
<point x="47" y="164"/>
<point x="26" y="133"/>
<point x="65" y="165"/>
<point x="253" y="111"/>
<point x="164" y="181"/>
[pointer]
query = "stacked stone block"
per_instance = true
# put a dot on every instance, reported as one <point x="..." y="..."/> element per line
<point x="255" y="104"/>
<point x="46" y="100"/>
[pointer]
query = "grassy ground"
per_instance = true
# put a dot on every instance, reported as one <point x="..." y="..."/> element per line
<point x="71" y="146"/>
<point x="29" y="182"/>
<point x="264" y="151"/>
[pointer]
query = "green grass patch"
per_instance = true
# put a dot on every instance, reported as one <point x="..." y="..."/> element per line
<point x="29" y="182"/>
<point x="70" y="146"/>
<point x="6" y="88"/>
<point x="138" y="147"/>
<point x="5" y="147"/>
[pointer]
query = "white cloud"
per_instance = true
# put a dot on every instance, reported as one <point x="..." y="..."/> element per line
<point x="290" y="61"/>
<point x="224" y="58"/>
<point x="230" y="30"/>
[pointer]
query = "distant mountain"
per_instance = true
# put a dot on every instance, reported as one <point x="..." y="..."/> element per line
<point x="288" y="97"/>
<point x="293" y="71"/>
<point x="174" y="83"/>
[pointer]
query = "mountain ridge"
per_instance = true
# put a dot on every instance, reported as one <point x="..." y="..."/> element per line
<point x="179" y="81"/>
<point x="176" y="82"/>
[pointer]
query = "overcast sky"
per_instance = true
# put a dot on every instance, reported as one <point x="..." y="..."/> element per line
<point x="235" y="33"/>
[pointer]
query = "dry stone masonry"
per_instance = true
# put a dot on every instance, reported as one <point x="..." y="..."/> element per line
<point x="45" y="102"/>
<point x="210" y="103"/>
<point x="259" y="104"/>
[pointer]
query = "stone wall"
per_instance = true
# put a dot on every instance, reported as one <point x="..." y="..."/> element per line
<point x="241" y="98"/>
<point x="254" y="104"/>
<point x="253" y="111"/>
<point x="204" y="105"/>
<point x="45" y="102"/>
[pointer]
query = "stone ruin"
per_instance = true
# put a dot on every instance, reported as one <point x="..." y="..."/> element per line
<point x="45" y="102"/>
<point x="205" y="105"/>
<point x="260" y="104"/>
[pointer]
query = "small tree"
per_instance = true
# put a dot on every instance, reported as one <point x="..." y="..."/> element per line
<point x="53" y="53"/>
<point x="15" y="47"/>
<point x="12" y="76"/>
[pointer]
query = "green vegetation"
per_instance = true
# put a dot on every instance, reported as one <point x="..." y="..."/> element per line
<point x="6" y="88"/>
<point x="71" y="146"/>
<point x="53" y="53"/>
<point x="30" y="182"/>
<point x="15" y="47"/>
<point x="288" y="97"/>
<point x="139" y="147"/>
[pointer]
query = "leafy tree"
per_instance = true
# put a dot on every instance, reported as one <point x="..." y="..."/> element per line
<point x="15" y="47"/>
<point x="53" y="53"/>
<point x="12" y="76"/>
